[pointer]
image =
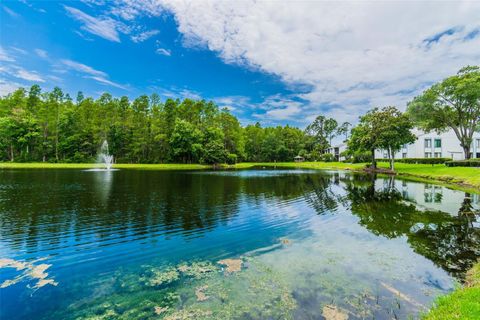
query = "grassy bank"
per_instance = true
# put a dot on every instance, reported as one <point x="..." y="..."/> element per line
<point x="463" y="303"/>
<point x="42" y="165"/>
<point x="465" y="178"/>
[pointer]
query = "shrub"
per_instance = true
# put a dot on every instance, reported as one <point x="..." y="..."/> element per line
<point x="463" y="163"/>
<point x="327" y="157"/>
<point x="232" y="158"/>
<point x="419" y="160"/>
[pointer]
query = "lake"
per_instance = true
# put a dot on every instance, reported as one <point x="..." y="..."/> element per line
<point x="247" y="244"/>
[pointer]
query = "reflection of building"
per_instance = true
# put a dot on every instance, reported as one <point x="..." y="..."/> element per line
<point x="433" y="197"/>
<point x="433" y="145"/>
<point x="337" y="151"/>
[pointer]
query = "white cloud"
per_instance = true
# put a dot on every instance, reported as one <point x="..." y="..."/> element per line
<point x="10" y="12"/>
<point x="163" y="52"/>
<point x="91" y="73"/>
<point x="4" y="56"/>
<point x="7" y="87"/>
<point x="41" y="53"/>
<point x="28" y="75"/>
<point x="104" y="27"/>
<point x="352" y="55"/>
<point x="77" y="66"/>
<point x="144" y="35"/>
<point x="107" y="82"/>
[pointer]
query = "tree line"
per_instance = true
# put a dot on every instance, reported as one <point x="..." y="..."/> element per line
<point x="37" y="125"/>
<point x="52" y="127"/>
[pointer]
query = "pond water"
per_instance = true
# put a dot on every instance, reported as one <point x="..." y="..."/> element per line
<point x="249" y="244"/>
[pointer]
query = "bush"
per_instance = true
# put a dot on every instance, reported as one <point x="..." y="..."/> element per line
<point x="361" y="157"/>
<point x="419" y="160"/>
<point x="463" y="163"/>
<point x="327" y="157"/>
<point x="232" y="158"/>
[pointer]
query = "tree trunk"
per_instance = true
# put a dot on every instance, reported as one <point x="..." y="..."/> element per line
<point x="11" y="153"/>
<point x="374" y="162"/>
<point x="466" y="150"/>
<point x="392" y="159"/>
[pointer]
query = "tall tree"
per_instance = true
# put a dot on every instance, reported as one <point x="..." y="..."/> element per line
<point x="322" y="130"/>
<point x="385" y="128"/>
<point x="395" y="131"/>
<point x="453" y="103"/>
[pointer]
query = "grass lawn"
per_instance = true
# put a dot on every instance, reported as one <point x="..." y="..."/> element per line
<point x="42" y="165"/>
<point x="463" y="303"/>
<point x="466" y="178"/>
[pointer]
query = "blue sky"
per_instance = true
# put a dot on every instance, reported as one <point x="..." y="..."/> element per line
<point x="273" y="62"/>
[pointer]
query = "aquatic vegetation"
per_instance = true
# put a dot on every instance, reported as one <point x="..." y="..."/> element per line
<point x="232" y="265"/>
<point x="400" y="294"/>
<point x="160" y="310"/>
<point x="188" y="314"/>
<point x="198" y="269"/>
<point x="199" y="292"/>
<point x="331" y="312"/>
<point x="30" y="271"/>
<point x="163" y="277"/>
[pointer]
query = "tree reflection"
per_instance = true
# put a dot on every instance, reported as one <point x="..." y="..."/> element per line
<point x="450" y="241"/>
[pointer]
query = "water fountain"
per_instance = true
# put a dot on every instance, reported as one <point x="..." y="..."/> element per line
<point x="105" y="155"/>
<point x="105" y="158"/>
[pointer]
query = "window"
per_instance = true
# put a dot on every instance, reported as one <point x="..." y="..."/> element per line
<point x="438" y="154"/>
<point x="438" y="143"/>
<point x="385" y="155"/>
<point x="428" y="143"/>
<point x="478" y="143"/>
<point x="404" y="155"/>
<point x="428" y="154"/>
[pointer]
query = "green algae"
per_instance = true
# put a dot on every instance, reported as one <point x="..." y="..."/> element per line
<point x="163" y="277"/>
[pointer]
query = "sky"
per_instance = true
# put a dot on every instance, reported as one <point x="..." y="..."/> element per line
<point x="275" y="62"/>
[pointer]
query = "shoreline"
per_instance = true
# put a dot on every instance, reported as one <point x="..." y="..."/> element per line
<point x="460" y="178"/>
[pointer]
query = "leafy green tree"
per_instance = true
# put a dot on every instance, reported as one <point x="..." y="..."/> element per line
<point x="322" y="130"/>
<point x="186" y="141"/>
<point x="396" y="131"/>
<point x="385" y="128"/>
<point x="344" y="129"/>
<point x="452" y="103"/>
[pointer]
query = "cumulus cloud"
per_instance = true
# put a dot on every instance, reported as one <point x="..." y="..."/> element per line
<point x="352" y="55"/>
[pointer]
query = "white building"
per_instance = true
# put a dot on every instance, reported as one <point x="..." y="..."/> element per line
<point x="337" y="150"/>
<point x="433" y="145"/>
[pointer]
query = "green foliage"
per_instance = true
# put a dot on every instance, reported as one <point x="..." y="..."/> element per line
<point x="385" y="128"/>
<point x="453" y="103"/>
<point x="420" y="160"/>
<point x="232" y="158"/>
<point x="320" y="133"/>
<point x="464" y="163"/>
<point x="47" y="126"/>
<point x="327" y="157"/>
